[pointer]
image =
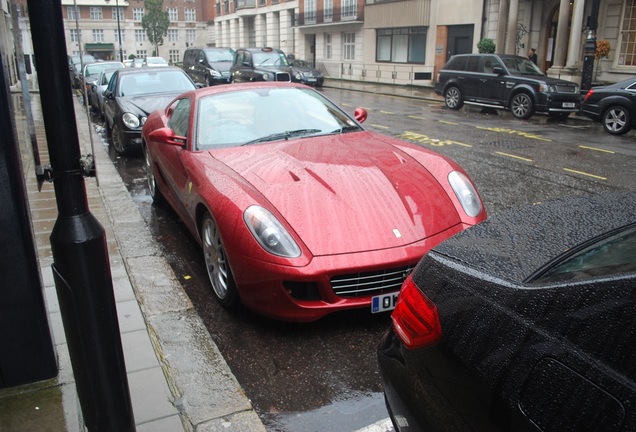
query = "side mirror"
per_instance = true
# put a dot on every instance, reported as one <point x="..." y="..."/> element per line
<point x="246" y="63"/>
<point x="107" y="94"/>
<point x="360" y="114"/>
<point x="166" y="136"/>
<point x="498" y="70"/>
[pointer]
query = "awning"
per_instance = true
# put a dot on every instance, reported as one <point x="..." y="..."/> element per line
<point x="99" y="47"/>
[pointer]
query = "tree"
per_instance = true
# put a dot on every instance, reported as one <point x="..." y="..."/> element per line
<point x="155" y="22"/>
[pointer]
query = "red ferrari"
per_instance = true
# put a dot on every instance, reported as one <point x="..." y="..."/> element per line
<point x="299" y="210"/>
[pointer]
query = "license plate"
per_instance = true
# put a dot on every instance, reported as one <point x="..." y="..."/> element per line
<point x="384" y="302"/>
<point x="311" y="79"/>
<point x="569" y="104"/>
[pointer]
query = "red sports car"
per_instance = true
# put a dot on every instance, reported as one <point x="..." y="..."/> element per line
<point x="299" y="210"/>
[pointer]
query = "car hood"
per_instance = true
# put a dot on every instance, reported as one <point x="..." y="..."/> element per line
<point x="221" y="66"/>
<point x="346" y="193"/>
<point x="145" y="104"/>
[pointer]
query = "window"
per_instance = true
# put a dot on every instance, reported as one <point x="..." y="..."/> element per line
<point x="349" y="9"/>
<point x="173" y="35"/>
<point x="310" y="11"/>
<point x="123" y="35"/>
<point x="141" y="54"/>
<point x="328" y="47"/>
<point x="72" y="13"/>
<point x="191" y="36"/>
<point x="74" y="37"/>
<point x="180" y="117"/>
<point x="173" y="14"/>
<point x="138" y="14"/>
<point x="328" y="10"/>
<point x="401" y="45"/>
<point x="115" y="13"/>
<point x="98" y="35"/>
<point x="627" y="49"/>
<point x="190" y="14"/>
<point x="174" y="56"/>
<point x="96" y="13"/>
<point x="140" y="35"/>
<point x="348" y="46"/>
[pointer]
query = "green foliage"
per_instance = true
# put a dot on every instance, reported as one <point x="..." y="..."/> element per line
<point x="486" y="46"/>
<point x="155" y="22"/>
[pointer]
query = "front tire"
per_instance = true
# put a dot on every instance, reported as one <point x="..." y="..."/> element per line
<point x="217" y="264"/>
<point x="453" y="98"/>
<point x="616" y="120"/>
<point x="522" y="106"/>
<point x="116" y="139"/>
<point x="155" y="193"/>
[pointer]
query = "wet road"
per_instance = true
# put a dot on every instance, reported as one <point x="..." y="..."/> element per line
<point x="323" y="376"/>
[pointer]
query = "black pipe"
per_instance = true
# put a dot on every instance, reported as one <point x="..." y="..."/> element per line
<point x="78" y="242"/>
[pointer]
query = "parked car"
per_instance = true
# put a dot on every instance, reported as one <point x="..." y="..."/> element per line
<point x="505" y="81"/>
<point x="260" y="64"/>
<point x="524" y="322"/>
<point x="154" y="62"/>
<point x="137" y="62"/>
<point x="209" y="66"/>
<point x="97" y="91"/>
<point x="91" y="74"/>
<point x="132" y="94"/>
<point x="299" y="210"/>
<point x="613" y="106"/>
<point x="75" y="67"/>
<point x="304" y="73"/>
<point x="128" y="62"/>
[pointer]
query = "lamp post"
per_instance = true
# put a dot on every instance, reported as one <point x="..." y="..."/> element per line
<point x="121" y="53"/>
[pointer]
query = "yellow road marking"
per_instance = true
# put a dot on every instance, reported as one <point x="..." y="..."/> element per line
<point x="387" y="112"/>
<point x="379" y="126"/>
<point x="417" y="117"/>
<point x="513" y="132"/>
<point x="424" y="139"/>
<point x="514" y="156"/>
<point x="585" y="174"/>
<point x="596" y="149"/>
<point x="450" y="123"/>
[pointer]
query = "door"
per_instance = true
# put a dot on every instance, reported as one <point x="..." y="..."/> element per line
<point x="460" y="40"/>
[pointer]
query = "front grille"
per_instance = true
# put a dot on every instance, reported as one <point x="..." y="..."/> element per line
<point x="566" y="89"/>
<point x="283" y="76"/>
<point x="370" y="283"/>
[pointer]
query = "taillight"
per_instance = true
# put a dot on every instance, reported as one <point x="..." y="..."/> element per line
<point x="415" y="318"/>
<point x="589" y="93"/>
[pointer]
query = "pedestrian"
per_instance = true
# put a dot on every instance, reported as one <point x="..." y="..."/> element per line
<point x="532" y="55"/>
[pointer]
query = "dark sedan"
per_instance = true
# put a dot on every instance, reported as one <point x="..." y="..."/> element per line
<point x="132" y="94"/>
<point x="613" y="106"/>
<point x="525" y="322"/>
<point x="303" y="72"/>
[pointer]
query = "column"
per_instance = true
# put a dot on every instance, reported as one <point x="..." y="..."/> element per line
<point x="574" y="49"/>
<point x="242" y="34"/>
<point x="502" y="25"/>
<point x="562" y="35"/>
<point x="286" y="31"/>
<point x="513" y="19"/>
<point x="233" y="34"/>
<point x="259" y="27"/>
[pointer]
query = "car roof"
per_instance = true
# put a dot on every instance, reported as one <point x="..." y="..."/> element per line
<point x="205" y="91"/>
<point x="513" y="245"/>
<point x="144" y="70"/>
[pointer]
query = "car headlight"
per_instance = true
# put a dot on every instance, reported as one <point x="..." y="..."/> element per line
<point x="298" y="75"/>
<point x="545" y="88"/>
<point x="466" y="193"/>
<point x="266" y="77"/>
<point x="215" y="73"/>
<point x="270" y="233"/>
<point x="130" y="120"/>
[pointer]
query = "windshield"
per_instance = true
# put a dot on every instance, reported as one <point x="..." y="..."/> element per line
<point x="218" y="56"/>
<point x="269" y="114"/>
<point x="166" y="81"/>
<point x="94" y="69"/>
<point x="272" y="58"/>
<point x="521" y="66"/>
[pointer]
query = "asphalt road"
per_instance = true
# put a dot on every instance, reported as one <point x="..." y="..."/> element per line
<point x="323" y="376"/>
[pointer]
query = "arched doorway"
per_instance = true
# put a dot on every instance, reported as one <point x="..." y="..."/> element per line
<point x="550" y="43"/>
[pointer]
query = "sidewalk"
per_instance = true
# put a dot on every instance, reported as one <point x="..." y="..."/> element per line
<point x="177" y="377"/>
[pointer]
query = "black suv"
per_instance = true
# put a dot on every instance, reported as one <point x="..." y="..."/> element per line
<point x="260" y="64"/>
<point x="505" y="81"/>
<point x="208" y="66"/>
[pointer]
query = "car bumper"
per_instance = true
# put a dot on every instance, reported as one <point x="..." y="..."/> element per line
<point x="555" y="103"/>
<point x="304" y="294"/>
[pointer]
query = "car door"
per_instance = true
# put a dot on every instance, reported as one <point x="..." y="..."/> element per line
<point x="110" y="106"/>
<point x="470" y="78"/>
<point x="492" y="82"/>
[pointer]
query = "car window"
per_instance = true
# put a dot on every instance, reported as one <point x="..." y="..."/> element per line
<point x="472" y="64"/>
<point x="180" y="116"/>
<point x="271" y="58"/>
<point x="164" y="81"/>
<point x="489" y="64"/>
<point x="611" y="254"/>
<point x="457" y="63"/>
<point x="521" y="66"/>
<point x="218" y="56"/>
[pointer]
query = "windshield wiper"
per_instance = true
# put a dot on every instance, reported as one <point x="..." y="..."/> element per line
<point x="347" y="128"/>
<point x="284" y="135"/>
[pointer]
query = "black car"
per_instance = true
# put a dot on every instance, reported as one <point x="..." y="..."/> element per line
<point x="303" y="72"/>
<point x="613" y="106"/>
<point x="505" y="81"/>
<point x="525" y="322"/>
<point x="75" y="63"/>
<point x="132" y="94"/>
<point x="260" y="64"/>
<point x="208" y="66"/>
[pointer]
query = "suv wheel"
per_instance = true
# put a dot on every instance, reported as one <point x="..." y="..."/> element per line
<point x="453" y="98"/>
<point x="616" y="120"/>
<point x="522" y="106"/>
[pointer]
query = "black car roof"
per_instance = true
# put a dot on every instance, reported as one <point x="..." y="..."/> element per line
<point x="513" y="245"/>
